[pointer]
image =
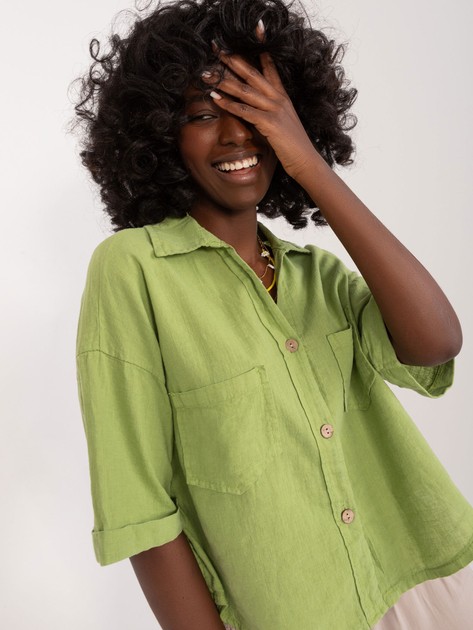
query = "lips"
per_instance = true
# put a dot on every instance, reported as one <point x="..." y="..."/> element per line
<point x="248" y="175"/>
<point x="237" y="165"/>
<point x="233" y="158"/>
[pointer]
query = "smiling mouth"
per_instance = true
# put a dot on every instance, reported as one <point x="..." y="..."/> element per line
<point x="237" y="165"/>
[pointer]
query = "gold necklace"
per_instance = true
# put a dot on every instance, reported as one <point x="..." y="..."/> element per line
<point x="265" y="253"/>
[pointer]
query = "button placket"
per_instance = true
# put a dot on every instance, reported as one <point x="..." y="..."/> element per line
<point x="318" y="412"/>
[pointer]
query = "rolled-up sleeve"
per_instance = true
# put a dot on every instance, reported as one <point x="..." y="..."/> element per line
<point x="430" y="381"/>
<point x="125" y="409"/>
<point x="127" y="421"/>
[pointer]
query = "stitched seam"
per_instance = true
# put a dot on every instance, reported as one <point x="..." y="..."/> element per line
<point x="99" y="301"/>
<point x="111" y="356"/>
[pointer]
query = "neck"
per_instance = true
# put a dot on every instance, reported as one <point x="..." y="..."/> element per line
<point x="238" y="230"/>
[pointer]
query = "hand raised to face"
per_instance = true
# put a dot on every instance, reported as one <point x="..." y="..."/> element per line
<point x="261" y="100"/>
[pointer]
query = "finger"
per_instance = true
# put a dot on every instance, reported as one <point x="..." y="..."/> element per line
<point x="241" y="110"/>
<point x="245" y="93"/>
<point x="270" y="72"/>
<point x="213" y="77"/>
<point x="260" y="31"/>
<point x="247" y="72"/>
<point x="268" y="82"/>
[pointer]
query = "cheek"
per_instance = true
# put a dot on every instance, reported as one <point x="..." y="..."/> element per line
<point x="193" y="150"/>
<point x="187" y="142"/>
<point x="272" y="162"/>
<point x="183" y="145"/>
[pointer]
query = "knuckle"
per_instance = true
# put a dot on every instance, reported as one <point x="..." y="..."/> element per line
<point x="280" y="103"/>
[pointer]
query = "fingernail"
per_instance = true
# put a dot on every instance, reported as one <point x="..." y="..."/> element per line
<point x="260" y="26"/>
<point x="216" y="96"/>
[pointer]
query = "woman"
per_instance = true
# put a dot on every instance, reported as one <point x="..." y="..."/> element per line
<point x="245" y="451"/>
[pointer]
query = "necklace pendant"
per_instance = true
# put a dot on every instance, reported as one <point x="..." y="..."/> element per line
<point x="265" y="254"/>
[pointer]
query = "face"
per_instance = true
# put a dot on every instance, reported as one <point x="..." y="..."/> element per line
<point x="231" y="163"/>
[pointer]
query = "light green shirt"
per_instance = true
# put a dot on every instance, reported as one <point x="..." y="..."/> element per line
<point x="266" y="432"/>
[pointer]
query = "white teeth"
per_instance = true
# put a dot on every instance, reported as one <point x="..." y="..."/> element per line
<point x="237" y="165"/>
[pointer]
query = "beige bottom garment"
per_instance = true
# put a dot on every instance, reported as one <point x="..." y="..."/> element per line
<point x="440" y="604"/>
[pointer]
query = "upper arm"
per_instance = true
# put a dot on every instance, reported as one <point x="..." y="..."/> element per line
<point x="376" y="343"/>
<point x="125" y="408"/>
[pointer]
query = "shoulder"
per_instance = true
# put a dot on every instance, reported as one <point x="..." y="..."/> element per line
<point x="308" y="254"/>
<point x="327" y="265"/>
<point x="115" y="314"/>
<point x="128" y="243"/>
<point x="118" y="267"/>
<point x="121" y="253"/>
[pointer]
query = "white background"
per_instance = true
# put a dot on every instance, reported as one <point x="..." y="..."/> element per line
<point x="411" y="62"/>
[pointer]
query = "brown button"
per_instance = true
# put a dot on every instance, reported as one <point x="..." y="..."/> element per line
<point x="348" y="516"/>
<point x="291" y="345"/>
<point x="326" y="430"/>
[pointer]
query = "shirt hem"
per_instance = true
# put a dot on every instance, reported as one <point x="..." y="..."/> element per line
<point x="460" y="561"/>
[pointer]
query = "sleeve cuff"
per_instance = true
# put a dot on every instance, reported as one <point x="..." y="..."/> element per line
<point x="430" y="381"/>
<point x="117" y="544"/>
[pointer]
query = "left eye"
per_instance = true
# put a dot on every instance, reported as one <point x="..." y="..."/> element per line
<point x="201" y="117"/>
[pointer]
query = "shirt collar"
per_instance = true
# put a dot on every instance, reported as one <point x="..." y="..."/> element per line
<point x="181" y="235"/>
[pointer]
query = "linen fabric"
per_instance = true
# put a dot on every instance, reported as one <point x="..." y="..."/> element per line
<point x="266" y="432"/>
<point x="440" y="604"/>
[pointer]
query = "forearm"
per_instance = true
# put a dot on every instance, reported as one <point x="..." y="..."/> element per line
<point x="421" y="321"/>
<point x="423" y="326"/>
<point x="176" y="591"/>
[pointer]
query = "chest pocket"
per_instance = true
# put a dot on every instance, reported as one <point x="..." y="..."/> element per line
<point x="356" y="373"/>
<point x="227" y="432"/>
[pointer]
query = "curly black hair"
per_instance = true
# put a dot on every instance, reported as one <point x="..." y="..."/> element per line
<point x="131" y="100"/>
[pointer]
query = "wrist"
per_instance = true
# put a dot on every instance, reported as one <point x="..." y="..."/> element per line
<point x="302" y="168"/>
<point x="311" y="170"/>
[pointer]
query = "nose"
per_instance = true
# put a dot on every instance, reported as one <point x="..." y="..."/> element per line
<point x="234" y="130"/>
